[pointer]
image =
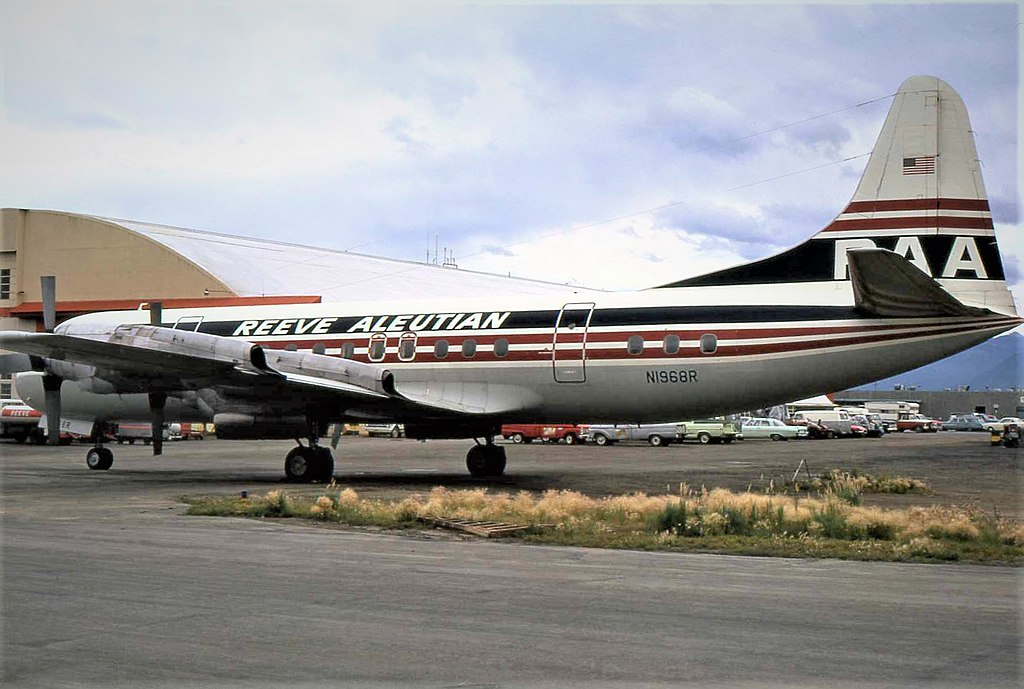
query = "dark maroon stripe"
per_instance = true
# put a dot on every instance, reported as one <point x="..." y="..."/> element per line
<point x="900" y="223"/>
<point x="917" y="205"/>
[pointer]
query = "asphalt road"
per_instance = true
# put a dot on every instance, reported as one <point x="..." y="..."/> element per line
<point x="106" y="582"/>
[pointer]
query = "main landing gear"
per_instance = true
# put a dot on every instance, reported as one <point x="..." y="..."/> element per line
<point x="311" y="462"/>
<point x="487" y="460"/>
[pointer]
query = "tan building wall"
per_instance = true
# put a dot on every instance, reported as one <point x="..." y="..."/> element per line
<point x="93" y="260"/>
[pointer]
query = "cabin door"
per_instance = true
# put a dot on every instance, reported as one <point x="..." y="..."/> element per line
<point x="569" y="348"/>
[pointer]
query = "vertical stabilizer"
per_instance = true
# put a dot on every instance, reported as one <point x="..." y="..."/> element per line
<point x="921" y="196"/>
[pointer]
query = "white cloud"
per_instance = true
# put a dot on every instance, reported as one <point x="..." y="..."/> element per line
<point x="383" y="125"/>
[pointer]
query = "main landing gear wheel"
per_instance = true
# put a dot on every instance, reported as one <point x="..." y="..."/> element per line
<point x="309" y="464"/>
<point x="99" y="458"/>
<point x="485" y="461"/>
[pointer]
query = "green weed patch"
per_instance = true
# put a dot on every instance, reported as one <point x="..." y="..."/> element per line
<point x="827" y="525"/>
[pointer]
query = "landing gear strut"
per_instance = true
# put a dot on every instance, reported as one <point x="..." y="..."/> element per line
<point x="310" y="463"/>
<point x="487" y="460"/>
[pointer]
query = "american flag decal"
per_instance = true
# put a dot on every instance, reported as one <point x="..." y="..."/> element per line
<point x="921" y="165"/>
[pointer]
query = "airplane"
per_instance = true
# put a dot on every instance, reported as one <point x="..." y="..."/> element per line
<point x="908" y="273"/>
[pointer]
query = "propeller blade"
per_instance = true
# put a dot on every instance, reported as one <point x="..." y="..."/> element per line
<point x="51" y="400"/>
<point x="157" y="401"/>
<point x="156" y="312"/>
<point x="48" y="286"/>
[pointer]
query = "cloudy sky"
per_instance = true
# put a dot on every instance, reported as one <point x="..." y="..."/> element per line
<point x="608" y="146"/>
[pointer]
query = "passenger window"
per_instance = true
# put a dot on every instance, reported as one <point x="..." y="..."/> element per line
<point x="407" y="346"/>
<point x="378" y="346"/>
<point x="469" y="348"/>
<point x="319" y="348"/>
<point x="708" y="344"/>
<point x="671" y="344"/>
<point x="291" y="347"/>
<point x="441" y="349"/>
<point x="635" y="344"/>
<point x="501" y="347"/>
<point x="348" y="350"/>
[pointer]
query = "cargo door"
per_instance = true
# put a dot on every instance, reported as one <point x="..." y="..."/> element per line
<point x="569" y="347"/>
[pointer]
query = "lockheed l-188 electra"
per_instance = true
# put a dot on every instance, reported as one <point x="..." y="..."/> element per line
<point x="908" y="273"/>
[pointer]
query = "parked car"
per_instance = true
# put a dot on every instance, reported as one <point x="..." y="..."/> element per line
<point x="655" y="434"/>
<point x="998" y="426"/>
<point x="570" y="434"/>
<point x="391" y="430"/>
<point x="963" y="422"/>
<point x="706" y="431"/>
<point x="773" y="429"/>
<point x="919" y="423"/>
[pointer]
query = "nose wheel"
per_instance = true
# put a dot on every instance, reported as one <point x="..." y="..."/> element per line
<point x="99" y="458"/>
<point x="487" y="460"/>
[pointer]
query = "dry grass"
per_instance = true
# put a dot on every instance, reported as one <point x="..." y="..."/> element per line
<point x="719" y="520"/>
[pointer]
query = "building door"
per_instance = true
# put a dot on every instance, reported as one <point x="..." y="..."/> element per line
<point x="569" y="348"/>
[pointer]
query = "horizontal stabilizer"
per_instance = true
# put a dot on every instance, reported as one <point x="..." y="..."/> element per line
<point x="887" y="285"/>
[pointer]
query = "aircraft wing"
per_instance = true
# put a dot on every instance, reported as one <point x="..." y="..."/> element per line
<point x="132" y="356"/>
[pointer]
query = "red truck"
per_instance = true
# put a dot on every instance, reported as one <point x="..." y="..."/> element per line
<point x="548" y="433"/>
<point x="19" y="421"/>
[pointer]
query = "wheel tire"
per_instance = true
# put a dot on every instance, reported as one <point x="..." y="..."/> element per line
<point x="99" y="458"/>
<point x="830" y="435"/>
<point x="775" y="437"/>
<point x="395" y="433"/>
<point x="703" y="438"/>
<point x="21" y="438"/>
<point x="323" y="464"/>
<point x="517" y="438"/>
<point x="297" y="465"/>
<point x="656" y="441"/>
<point x="570" y="439"/>
<point x="486" y="461"/>
<point x="600" y="440"/>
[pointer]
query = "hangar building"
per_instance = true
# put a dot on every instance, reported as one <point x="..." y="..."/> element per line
<point x="104" y="264"/>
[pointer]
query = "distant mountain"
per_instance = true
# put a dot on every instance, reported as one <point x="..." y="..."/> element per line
<point x="992" y="364"/>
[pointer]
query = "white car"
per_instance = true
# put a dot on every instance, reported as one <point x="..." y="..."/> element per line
<point x="773" y="429"/>
<point x="998" y="426"/>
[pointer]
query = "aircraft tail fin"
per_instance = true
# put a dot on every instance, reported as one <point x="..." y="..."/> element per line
<point x="921" y="196"/>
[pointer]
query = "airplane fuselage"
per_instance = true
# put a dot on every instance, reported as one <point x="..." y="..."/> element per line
<point x="648" y="356"/>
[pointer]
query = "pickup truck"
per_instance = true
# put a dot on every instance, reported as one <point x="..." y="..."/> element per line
<point x="657" y="434"/>
<point x="706" y="431"/>
<point x="551" y="433"/>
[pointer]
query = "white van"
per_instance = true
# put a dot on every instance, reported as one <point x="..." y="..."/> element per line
<point x="837" y="420"/>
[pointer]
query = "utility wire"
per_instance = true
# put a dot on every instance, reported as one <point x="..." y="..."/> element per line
<point x="811" y="119"/>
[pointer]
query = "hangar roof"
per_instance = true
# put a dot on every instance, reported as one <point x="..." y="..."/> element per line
<point x="256" y="267"/>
